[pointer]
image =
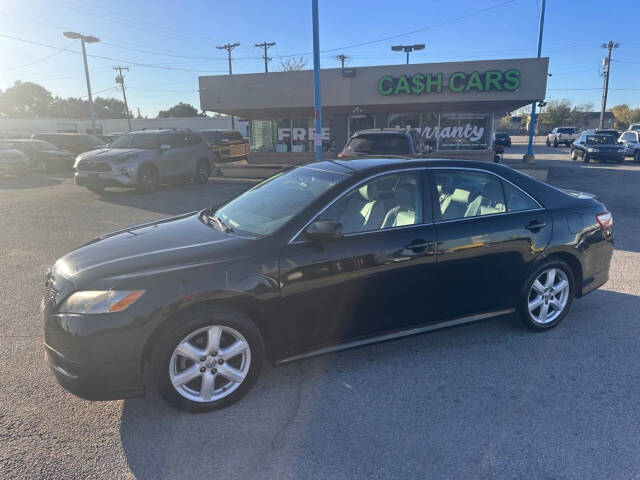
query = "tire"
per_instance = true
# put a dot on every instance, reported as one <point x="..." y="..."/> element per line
<point x="548" y="142"/>
<point x="203" y="172"/>
<point x="555" y="143"/>
<point x="167" y="363"/>
<point x="585" y="157"/>
<point x="542" y="296"/>
<point x="148" y="179"/>
<point x="96" y="190"/>
<point x="636" y="156"/>
<point x="574" y="157"/>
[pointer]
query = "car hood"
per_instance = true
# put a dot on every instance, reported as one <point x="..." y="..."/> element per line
<point x="176" y="241"/>
<point x="110" y="153"/>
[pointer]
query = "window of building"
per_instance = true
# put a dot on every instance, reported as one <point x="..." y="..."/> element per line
<point x="262" y="136"/>
<point x="463" y="194"/>
<point x="360" y="122"/>
<point x="388" y="201"/>
<point x="404" y="120"/>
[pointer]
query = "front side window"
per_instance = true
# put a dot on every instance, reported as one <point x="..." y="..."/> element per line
<point x="270" y="204"/>
<point x="463" y="194"/>
<point x="388" y="201"/>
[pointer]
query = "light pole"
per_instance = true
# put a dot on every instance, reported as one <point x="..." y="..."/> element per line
<point x="407" y="49"/>
<point x="529" y="158"/>
<point x="86" y="39"/>
<point x="317" y="96"/>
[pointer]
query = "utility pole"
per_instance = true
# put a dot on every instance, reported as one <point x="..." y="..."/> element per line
<point x="607" y="64"/>
<point x="267" y="59"/>
<point x="341" y="58"/>
<point x="86" y="39"/>
<point x="528" y="157"/>
<point x="228" y="47"/>
<point x="120" y="80"/>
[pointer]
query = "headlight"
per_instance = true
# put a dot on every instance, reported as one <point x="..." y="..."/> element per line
<point x="100" y="301"/>
<point x="590" y="149"/>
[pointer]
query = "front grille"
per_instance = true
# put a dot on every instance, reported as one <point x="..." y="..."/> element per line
<point x="87" y="166"/>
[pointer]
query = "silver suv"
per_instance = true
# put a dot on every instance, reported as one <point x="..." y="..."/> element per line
<point x="144" y="159"/>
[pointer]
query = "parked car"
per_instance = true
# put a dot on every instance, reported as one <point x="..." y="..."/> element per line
<point x="109" y="138"/>
<point x="144" y="159"/>
<point x="634" y="126"/>
<point x="502" y="139"/>
<point x="13" y="162"/>
<point x="384" y="141"/>
<point x="630" y="141"/>
<point x="599" y="147"/>
<point x="226" y="145"/>
<point x="42" y="155"/>
<point x="562" y="136"/>
<point x="73" y="142"/>
<point x="318" y="258"/>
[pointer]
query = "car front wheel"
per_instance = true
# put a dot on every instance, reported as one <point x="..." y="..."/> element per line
<point x="208" y="361"/>
<point x="636" y="156"/>
<point x="547" y="296"/>
<point x="147" y="179"/>
<point x="203" y="172"/>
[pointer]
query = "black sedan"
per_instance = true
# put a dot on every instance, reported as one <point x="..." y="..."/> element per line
<point x="599" y="147"/>
<point x="502" y="139"/>
<point x="316" y="259"/>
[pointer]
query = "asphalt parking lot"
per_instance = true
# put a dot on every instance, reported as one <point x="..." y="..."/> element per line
<point x="486" y="400"/>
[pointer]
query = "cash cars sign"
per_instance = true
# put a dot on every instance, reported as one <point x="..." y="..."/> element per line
<point x="458" y="82"/>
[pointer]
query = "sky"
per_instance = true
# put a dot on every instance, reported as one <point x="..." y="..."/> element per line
<point x="168" y="44"/>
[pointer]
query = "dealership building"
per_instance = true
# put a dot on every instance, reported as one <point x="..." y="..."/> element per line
<point x="455" y="105"/>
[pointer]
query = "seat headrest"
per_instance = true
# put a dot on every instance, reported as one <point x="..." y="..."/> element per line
<point x="459" y="195"/>
<point x="406" y="196"/>
<point x="370" y="191"/>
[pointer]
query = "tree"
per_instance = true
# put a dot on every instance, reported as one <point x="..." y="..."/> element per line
<point x="556" y="113"/>
<point x="179" y="111"/>
<point x="505" y="122"/>
<point x="293" y="64"/>
<point x="624" y="115"/>
<point x="109" y="108"/>
<point x="579" y="115"/>
<point x="25" y="100"/>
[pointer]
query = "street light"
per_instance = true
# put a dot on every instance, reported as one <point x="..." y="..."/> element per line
<point x="407" y="49"/>
<point x="85" y="39"/>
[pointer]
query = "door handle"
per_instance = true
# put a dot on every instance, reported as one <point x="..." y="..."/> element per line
<point x="418" y="246"/>
<point x="535" y="226"/>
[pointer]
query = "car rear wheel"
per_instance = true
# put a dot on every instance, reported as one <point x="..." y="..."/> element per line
<point x="574" y="157"/>
<point x="208" y="361"/>
<point x="547" y="296"/>
<point x="555" y="143"/>
<point x="203" y="171"/>
<point x="147" y="179"/>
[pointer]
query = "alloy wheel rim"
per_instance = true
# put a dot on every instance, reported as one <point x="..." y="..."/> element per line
<point x="548" y="296"/>
<point x="202" y="172"/>
<point x="210" y="363"/>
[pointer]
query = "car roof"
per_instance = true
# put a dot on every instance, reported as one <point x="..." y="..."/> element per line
<point x="218" y="130"/>
<point x="380" y="131"/>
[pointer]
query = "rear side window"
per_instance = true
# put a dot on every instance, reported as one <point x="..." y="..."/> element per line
<point x="379" y="144"/>
<point x="463" y="194"/>
<point x="177" y="140"/>
<point x="517" y="200"/>
<point x="193" y="139"/>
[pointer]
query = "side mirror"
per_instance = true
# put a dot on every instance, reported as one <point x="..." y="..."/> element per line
<point x="323" y="230"/>
<point x="165" y="146"/>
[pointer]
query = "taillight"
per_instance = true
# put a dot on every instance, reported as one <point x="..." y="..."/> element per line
<point x="605" y="219"/>
<point x="341" y="155"/>
<point x="559" y="135"/>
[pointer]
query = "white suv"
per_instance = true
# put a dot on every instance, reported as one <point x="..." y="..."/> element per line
<point x="562" y="135"/>
<point x="631" y="142"/>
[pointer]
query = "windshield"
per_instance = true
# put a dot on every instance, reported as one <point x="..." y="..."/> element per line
<point x="379" y="144"/>
<point x="270" y="204"/>
<point x="145" y="141"/>
<point x="567" y="130"/>
<point x="501" y="135"/>
<point x="600" y="140"/>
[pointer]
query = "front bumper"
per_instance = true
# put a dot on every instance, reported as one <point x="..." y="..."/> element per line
<point x="95" y="357"/>
<point x="606" y="156"/>
<point x="103" y="179"/>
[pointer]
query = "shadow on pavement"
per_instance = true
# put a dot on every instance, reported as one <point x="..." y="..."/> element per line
<point x="466" y="402"/>
<point x="31" y="180"/>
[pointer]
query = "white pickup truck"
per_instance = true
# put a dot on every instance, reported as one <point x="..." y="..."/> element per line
<point x="562" y="135"/>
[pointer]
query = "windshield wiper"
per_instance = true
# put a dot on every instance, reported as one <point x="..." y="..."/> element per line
<point x="212" y="218"/>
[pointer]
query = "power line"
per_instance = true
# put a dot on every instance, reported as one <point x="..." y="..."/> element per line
<point x="39" y="60"/>
<point x="267" y="59"/>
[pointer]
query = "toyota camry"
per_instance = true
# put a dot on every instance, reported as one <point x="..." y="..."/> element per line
<point x="316" y="259"/>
